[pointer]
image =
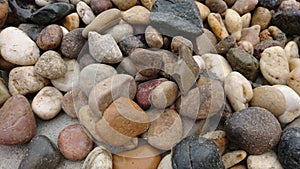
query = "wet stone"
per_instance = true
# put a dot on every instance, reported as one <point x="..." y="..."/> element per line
<point x="288" y="21"/>
<point x="32" y="30"/>
<point x="50" y="37"/>
<point x="42" y="153"/>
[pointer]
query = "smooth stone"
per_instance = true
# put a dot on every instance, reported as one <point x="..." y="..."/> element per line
<point x="124" y="4"/>
<point x="266" y="160"/>
<point x="294" y="63"/>
<point x="288" y="147"/>
<point x="72" y="43"/>
<point x="224" y="45"/>
<point x="177" y="41"/>
<point x="143" y="156"/>
<point x="99" y="6"/>
<point x="291" y="50"/>
<point x="261" y="46"/>
<point x="74" y="143"/>
<point x="17" y="47"/>
<point x="85" y="12"/>
<point x="127" y="67"/>
<point x="32" y="30"/>
<point x="129" y="43"/>
<point x="70" y="78"/>
<point x="217" y="6"/>
<point x="164" y="95"/>
<point x="234" y="157"/>
<point x="293" y="80"/>
<point x="217" y="25"/>
<point x="278" y="35"/>
<point x="205" y="43"/>
<point x="103" y="21"/>
<point x="204" y="10"/>
<point x="255" y="139"/>
<point x="165" y="163"/>
<point x="200" y="62"/>
<point x="4" y="8"/>
<point x="189" y="153"/>
<point x="93" y="74"/>
<point x="244" y="6"/>
<point x="43" y="3"/>
<point x="47" y="103"/>
<point x="238" y="90"/>
<point x="50" y="65"/>
<point x="182" y="17"/>
<point x="119" y="31"/>
<point x="219" y="138"/>
<point x="42" y="153"/>
<point x="274" y="65"/>
<point x="71" y="21"/>
<point x="234" y="24"/>
<point x="246" y="19"/>
<point x="251" y="34"/>
<point x="288" y="20"/>
<point x="24" y="80"/>
<point x="50" y="37"/>
<point x="137" y="15"/>
<point x="51" y="13"/>
<point x="262" y="16"/>
<point x="270" y="4"/>
<point x="5" y="65"/>
<point x="21" y="12"/>
<point x="243" y="62"/>
<point x="104" y="48"/>
<point x="17" y="111"/>
<point x="144" y="90"/>
<point x="289" y="4"/>
<point x="4" y="93"/>
<point x="148" y="4"/>
<point x="72" y="102"/>
<point x="153" y="37"/>
<point x="100" y="157"/>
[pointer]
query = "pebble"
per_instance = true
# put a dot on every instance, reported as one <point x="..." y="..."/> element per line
<point x="205" y="11"/>
<point x="288" y="147"/>
<point x="148" y="4"/>
<point x="74" y="143"/>
<point x="255" y="139"/>
<point x="230" y="2"/>
<point x="17" y="47"/>
<point x="251" y="34"/>
<point x="4" y="8"/>
<point x="72" y="43"/>
<point x="17" y="111"/>
<point x="127" y="67"/>
<point x="143" y="156"/>
<point x="24" y="80"/>
<point x="120" y="31"/>
<point x="70" y="78"/>
<point x="137" y="15"/>
<point x="224" y="45"/>
<point x="217" y="6"/>
<point x="4" y="93"/>
<point x="32" y="30"/>
<point x="189" y="152"/>
<point x="144" y="90"/>
<point x="234" y="157"/>
<point x="103" y="21"/>
<point x="244" y="6"/>
<point x="261" y="46"/>
<point x="165" y="163"/>
<point x="217" y="25"/>
<point x="270" y="4"/>
<point x="50" y="37"/>
<point x="266" y="160"/>
<point x="239" y="167"/>
<point x="100" y="157"/>
<point x="71" y="21"/>
<point x="243" y="62"/>
<point x="247" y="46"/>
<point x="293" y="80"/>
<point x="262" y="16"/>
<point x="238" y="90"/>
<point x="51" y="13"/>
<point x="233" y="23"/>
<point x="129" y="43"/>
<point x="289" y="4"/>
<point x="291" y="50"/>
<point x="278" y="35"/>
<point x="43" y="3"/>
<point x="99" y="6"/>
<point x="175" y="16"/>
<point x="294" y="63"/>
<point x="177" y="41"/>
<point x="205" y="43"/>
<point x="166" y="130"/>
<point x="85" y="12"/>
<point x="246" y="19"/>
<point x="153" y="37"/>
<point x="274" y="65"/>
<point x="200" y="62"/>
<point x="288" y="20"/>
<point x="265" y="35"/>
<point x="93" y="74"/>
<point x="219" y="138"/>
<point x="50" y="65"/>
<point x="42" y="153"/>
<point x="124" y="4"/>
<point x="47" y="103"/>
<point x="164" y="95"/>
<point x="104" y="48"/>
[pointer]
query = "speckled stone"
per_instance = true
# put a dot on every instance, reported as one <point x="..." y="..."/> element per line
<point x="129" y="43"/>
<point x="224" y="45"/>
<point x="288" y="21"/>
<point x="50" y="37"/>
<point x="260" y="47"/>
<point x="72" y="43"/>
<point x="270" y="4"/>
<point x="255" y="139"/>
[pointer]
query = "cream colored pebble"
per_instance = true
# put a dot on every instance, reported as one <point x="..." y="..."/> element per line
<point x="232" y="158"/>
<point x="274" y="65"/>
<point x="216" y="24"/>
<point x="291" y="50"/>
<point x="264" y="161"/>
<point x="294" y="63"/>
<point x="247" y="46"/>
<point x="100" y="157"/>
<point x="233" y="23"/>
<point x="238" y="90"/>
<point x="205" y="11"/>
<point x="200" y="62"/>
<point x="166" y="162"/>
<point x="294" y="80"/>
<point x="85" y="12"/>
<point x="246" y="20"/>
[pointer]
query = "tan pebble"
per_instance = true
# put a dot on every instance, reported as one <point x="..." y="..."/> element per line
<point x="294" y="63"/>
<point x="166" y="162"/>
<point x="71" y="21"/>
<point x="246" y="20"/>
<point x="233" y="23"/>
<point x="216" y="24"/>
<point x="238" y="90"/>
<point x="239" y="167"/>
<point x="265" y="35"/>
<point x="148" y="4"/>
<point x="177" y="41"/>
<point x="244" y="6"/>
<point x="124" y="4"/>
<point x="266" y="160"/>
<point x="205" y="11"/>
<point x="232" y="158"/>
<point x="200" y="62"/>
<point x="4" y="93"/>
<point x="137" y="15"/>
<point x="291" y="50"/>
<point x="164" y="94"/>
<point x="4" y="8"/>
<point x="262" y="16"/>
<point x="153" y="38"/>
<point x="99" y="157"/>
<point x="85" y="12"/>
<point x="274" y="65"/>
<point x="247" y="46"/>
<point x="294" y="79"/>
<point x="251" y="34"/>
<point x="219" y="138"/>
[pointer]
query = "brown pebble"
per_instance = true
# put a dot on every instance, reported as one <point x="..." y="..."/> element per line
<point x="4" y="8"/>
<point x="50" y="37"/>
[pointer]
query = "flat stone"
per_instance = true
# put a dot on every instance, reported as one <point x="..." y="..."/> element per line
<point x="288" y="21"/>
<point x="180" y="18"/>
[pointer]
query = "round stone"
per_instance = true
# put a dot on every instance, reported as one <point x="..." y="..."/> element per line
<point x="50" y="37"/>
<point x="253" y="129"/>
<point x="74" y="143"/>
<point x="217" y="6"/>
<point x="271" y="4"/>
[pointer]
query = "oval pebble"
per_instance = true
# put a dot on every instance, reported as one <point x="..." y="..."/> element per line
<point x="233" y="23"/>
<point x="217" y="25"/>
<point x="164" y="94"/>
<point x="99" y="6"/>
<point x="50" y="37"/>
<point x="71" y="21"/>
<point x="100" y="157"/>
<point x="85" y="12"/>
<point x="124" y="4"/>
<point x="244" y="6"/>
<point x="165" y="163"/>
<point x="294" y="80"/>
<point x="137" y="15"/>
<point x="120" y="31"/>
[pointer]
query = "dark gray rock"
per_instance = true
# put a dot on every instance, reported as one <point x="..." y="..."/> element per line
<point x="261" y="46"/>
<point x="196" y="152"/>
<point x="288" y="21"/>
<point x="32" y="30"/>
<point x="270" y="4"/>
<point x="42" y="154"/>
<point x="224" y="45"/>
<point x="289" y="148"/>
<point x="51" y="13"/>
<point x="253" y="129"/>
<point x="128" y="43"/>
<point x="177" y="18"/>
<point x="72" y="43"/>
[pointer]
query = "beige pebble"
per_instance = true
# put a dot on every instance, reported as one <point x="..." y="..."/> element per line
<point x="233" y="23"/>
<point x="234" y="157"/>
<point x="262" y="16"/>
<point x="4" y="93"/>
<point x="137" y="15"/>
<point x="70" y="78"/>
<point x="274" y="65"/>
<point x="294" y="63"/>
<point x="177" y="41"/>
<point x="42" y="3"/>
<point x="164" y="94"/>
<point x="219" y="138"/>
<point x="71" y="21"/>
<point x="153" y="38"/>
<point x="124" y="4"/>
<point x="24" y="80"/>
<point x="251" y="34"/>
<point x="119" y="31"/>
<point x="166" y="162"/>
<point x="291" y="50"/>
<point x="244" y="6"/>
<point x="200" y="62"/>
<point x="238" y="90"/>
<point x="246" y="20"/>
<point x="204" y="10"/>
<point x="47" y="103"/>
<point x="294" y="80"/>
<point x="98" y="158"/>
<point x="216" y="24"/>
<point x="267" y="160"/>
<point x="85" y="12"/>
<point x="247" y="46"/>
<point x="148" y="4"/>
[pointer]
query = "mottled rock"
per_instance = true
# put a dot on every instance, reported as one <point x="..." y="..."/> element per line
<point x="270" y="4"/>
<point x="71" y="21"/>
<point x="288" y="21"/>
<point x="244" y="6"/>
<point x="129" y="43"/>
<point x="72" y="43"/>
<point x="262" y="16"/>
<point x="260" y="47"/>
<point x="217" y="25"/>
<point x="99" y="6"/>
<point x="266" y="160"/>
<point x="4" y="8"/>
<point x="224" y="45"/>
<point x="50" y="37"/>
<point x="85" y="12"/>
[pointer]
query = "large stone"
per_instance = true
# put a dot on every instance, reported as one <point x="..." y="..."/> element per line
<point x="288" y="21"/>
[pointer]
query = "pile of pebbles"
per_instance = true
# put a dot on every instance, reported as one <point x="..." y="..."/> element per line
<point x="151" y="84"/>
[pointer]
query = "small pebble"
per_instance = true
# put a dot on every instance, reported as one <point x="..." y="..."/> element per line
<point x="251" y="34"/>
<point x="291" y="50"/>
<point x="246" y="20"/>
<point x="217" y="25"/>
<point x="217" y="6"/>
<point x="164" y="94"/>
<point x="270" y="4"/>
<point x="177" y="41"/>
<point x="148" y="4"/>
<point x="129" y="43"/>
<point x="74" y="143"/>
<point x="120" y="31"/>
<point x="71" y="21"/>
<point x="262" y="16"/>
<point x="266" y="160"/>
<point x="244" y="6"/>
<point x="85" y="12"/>
<point x="4" y="93"/>
<point x="4" y="8"/>
<point x="100" y="157"/>
<point x="153" y="37"/>
<point x="224" y="45"/>
<point x="137" y="15"/>
<point x="205" y="44"/>
<point x="99" y="6"/>
<point x="233" y="23"/>
<point x="50" y="37"/>
<point x="165" y="163"/>
<point x="234" y="157"/>
<point x="43" y="3"/>
<point x="294" y="63"/>
<point x="124" y="4"/>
